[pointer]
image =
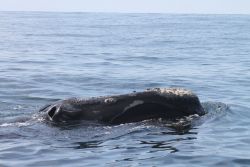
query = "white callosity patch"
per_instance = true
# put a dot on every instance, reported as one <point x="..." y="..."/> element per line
<point x="172" y="91"/>
<point x="133" y="104"/>
<point x="110" y="100"/>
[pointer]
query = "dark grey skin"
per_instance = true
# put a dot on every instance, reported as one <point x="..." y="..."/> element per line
<point x="155" y="103"/>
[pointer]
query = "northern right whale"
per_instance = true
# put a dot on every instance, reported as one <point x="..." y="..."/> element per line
<point x="166" y="103"/>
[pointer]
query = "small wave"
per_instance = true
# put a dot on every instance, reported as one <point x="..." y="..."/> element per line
<point x="38" y="98"/>
<point x="65" y="35"/>
<point x="215" y="107"/>
<point x="16" y="124"/>
<point x="23" y="121"/>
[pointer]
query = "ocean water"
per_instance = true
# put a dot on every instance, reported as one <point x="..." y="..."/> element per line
<point x="49" y="56"/>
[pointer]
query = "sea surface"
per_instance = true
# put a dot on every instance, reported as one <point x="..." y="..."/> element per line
<point x="45" y="57"/>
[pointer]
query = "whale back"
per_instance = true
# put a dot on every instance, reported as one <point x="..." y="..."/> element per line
<point x="152" y="103"/>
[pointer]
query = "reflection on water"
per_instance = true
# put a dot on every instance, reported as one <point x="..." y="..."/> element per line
<point x="90" y="144"/>
<point x="160" y="145"/>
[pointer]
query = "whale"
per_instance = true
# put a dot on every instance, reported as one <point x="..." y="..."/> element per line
<point x="153" y="103"/>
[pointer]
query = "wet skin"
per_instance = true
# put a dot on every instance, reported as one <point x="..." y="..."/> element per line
<point x="154" y="103"/>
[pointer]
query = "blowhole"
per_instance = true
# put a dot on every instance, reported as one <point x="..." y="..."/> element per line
<point x="52" y="112"/>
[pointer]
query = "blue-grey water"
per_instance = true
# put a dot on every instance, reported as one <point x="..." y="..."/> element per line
<point x="49" y="56"/>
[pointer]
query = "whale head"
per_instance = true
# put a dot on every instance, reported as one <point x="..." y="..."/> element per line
<point x="61" y="111"/>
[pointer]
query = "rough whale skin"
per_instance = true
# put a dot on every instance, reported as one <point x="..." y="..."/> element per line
<point x="165" y="103"/>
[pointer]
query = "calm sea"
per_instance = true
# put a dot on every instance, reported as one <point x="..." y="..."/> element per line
<point x="49" y="56"/>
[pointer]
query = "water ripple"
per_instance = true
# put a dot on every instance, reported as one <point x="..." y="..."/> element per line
<point x="49" y="56"/>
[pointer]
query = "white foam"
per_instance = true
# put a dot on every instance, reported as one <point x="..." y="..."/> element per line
<point x="16" y="124"/>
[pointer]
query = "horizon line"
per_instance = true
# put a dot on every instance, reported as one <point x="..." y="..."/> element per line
<point x="126" y="12"/>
